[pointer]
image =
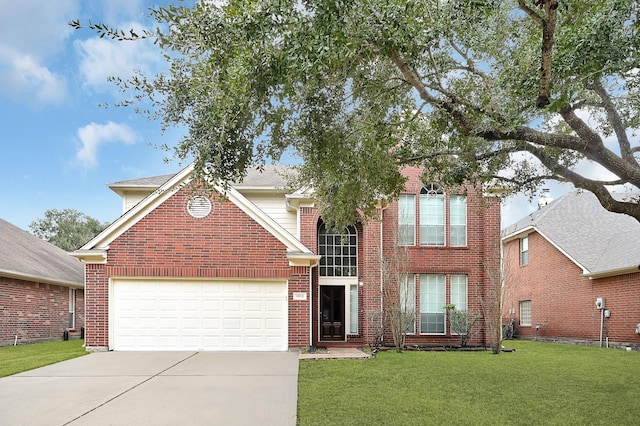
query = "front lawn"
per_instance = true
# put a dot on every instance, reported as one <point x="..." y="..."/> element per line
<point x="539" y="383"/>
<point x="16" y="359"/>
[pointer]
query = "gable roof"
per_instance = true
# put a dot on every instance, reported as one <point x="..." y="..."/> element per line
<point x="95" y="251"/>
<point x="27" y="257"/>
<point x="600" y="242"/>
<point x="269" y="176"/>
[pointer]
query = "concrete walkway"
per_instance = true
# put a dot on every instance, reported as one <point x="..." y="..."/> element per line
<point x="156" y="388"/>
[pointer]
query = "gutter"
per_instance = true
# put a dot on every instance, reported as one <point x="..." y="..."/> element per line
<point x="39" y="279"/>
<point x="612" y="272"/>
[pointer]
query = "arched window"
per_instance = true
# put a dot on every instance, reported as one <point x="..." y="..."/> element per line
<point x="432" y="215"/>
<point x="339" y="252"/>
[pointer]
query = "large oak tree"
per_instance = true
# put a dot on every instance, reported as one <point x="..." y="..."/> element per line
<point x="508" y="92"/>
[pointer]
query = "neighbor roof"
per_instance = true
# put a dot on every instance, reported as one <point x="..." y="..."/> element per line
<point x="27" y="257"/>
<point x="600" y="242"/>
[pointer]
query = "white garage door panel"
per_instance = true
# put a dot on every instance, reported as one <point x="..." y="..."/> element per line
<point x="225" y="316"/>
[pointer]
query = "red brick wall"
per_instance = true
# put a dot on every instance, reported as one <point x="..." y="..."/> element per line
<point x="476" y="260"/>
<point x="299" y="309"/>
<point x="480" y="254"/>
<point x="563" y="301"/>
<point x="622" y="299"/>
<point x="168" y="242"/>
<point x="35" y="311"/>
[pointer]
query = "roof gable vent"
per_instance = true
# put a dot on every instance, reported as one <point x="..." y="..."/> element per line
<point x="199" y="207"/>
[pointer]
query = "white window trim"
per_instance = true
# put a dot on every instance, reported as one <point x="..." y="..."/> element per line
<point x="444" y="313"/>
<point x="410" y="279"/>
<point x="346" y="282"/>
<point x="442" y="195"/>
<point x="72" y="308"/>
<point x="530" y="322"/>
<point x="409" y="216"/>
<point x="522" y="242"/>
<point x="466" y="220"/>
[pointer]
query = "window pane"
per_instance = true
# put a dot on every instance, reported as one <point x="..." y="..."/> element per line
<point x="408" y="301"/>
<point x="339" y="252"/>
<point x="432" y="301"/>
<point x="459" y="292"/>
<point x="407" y="220"/>
<point x="525" y="312"/>
<point x="432" y="219"/>
<point x="458" y="220"/>
<point x="353" y="309"/>
<point x="524" y="251"/>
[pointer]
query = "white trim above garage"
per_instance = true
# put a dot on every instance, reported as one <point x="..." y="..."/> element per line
<point x="193" y="315"/>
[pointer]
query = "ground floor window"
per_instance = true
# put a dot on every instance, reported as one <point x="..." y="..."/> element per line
<point x="435" y="294"/>
<point x="432" y="301"/>
<point x="72" y="308"/>
<point x="525" y="312"/>
<point x="408" y="300"/>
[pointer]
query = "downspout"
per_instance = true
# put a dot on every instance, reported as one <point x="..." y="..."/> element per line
<point x="382" y="209"/>
<point x="311" y="308"/>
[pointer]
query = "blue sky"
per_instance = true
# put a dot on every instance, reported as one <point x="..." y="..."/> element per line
<point x="59" y="147"/>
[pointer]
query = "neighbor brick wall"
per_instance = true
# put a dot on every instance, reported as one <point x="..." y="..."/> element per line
<point x="168" y="242"/>
<point x="562" y="300"/>
<point x="35" y="311"/>
<point x="622" y="299"/>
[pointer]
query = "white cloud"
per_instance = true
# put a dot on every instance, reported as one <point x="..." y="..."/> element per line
<point x="93" y="135"/>
<point x="22" y="77"/>
<point x="102" y="58"/>
<point x="31" y="32"/>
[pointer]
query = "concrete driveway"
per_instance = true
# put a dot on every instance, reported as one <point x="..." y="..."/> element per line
<point x="156" y="388"/>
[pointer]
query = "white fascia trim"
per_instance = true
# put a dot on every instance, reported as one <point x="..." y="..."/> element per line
<point x="528" y="230"/>
<point x="612" y="272"/>
<point x="531" y="228"/>
<point x="39" y="279"/>
<point x="303" y="259"/>
<point x="519" y="234"/>
<point x="275" y="229"/>
<point x="94" y="256"/>
<point x="157" y="197"/>
<point x="137" y="212"/>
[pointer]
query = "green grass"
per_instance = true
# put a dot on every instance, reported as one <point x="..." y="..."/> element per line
<point x="539" y="383"/>
<point x="16" y="359"/>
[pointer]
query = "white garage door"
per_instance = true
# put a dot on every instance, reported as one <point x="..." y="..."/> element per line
<point x="198" y="316"/>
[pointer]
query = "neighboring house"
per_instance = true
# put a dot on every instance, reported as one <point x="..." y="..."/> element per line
<point x="41" y="289"/>
<point x="259" y="271"/>
<point x="572" y="272"/>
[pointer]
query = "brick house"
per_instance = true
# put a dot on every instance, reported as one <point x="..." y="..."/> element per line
<point x="561" y="260"/>
<point x="258" y="270"/>
<point x="41" y="289"/>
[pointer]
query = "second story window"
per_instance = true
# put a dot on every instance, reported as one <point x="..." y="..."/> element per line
<point x="407" y="220"/>
<point x="524" y="251"/>
<point x="432" y="223"/>
<point x="339" y="252"/>
<point x="458" y="220"/>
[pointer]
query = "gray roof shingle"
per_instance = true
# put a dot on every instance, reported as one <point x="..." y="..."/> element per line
<point x="595" y="238"/>
<point x="271" y="176"/>
<point x="25" y="255"/>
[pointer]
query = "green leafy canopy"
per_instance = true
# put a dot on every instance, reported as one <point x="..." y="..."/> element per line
<point x="358" y="89"/>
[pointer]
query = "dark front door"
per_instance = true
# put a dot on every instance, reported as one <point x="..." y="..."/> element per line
<point x="331" y="312"/>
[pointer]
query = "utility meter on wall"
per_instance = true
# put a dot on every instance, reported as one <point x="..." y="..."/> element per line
<point x="600" y="303"/>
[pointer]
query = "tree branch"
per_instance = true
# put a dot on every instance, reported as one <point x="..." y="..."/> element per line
<point x="596" y="187"/>
<point x="615" y="120"/>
